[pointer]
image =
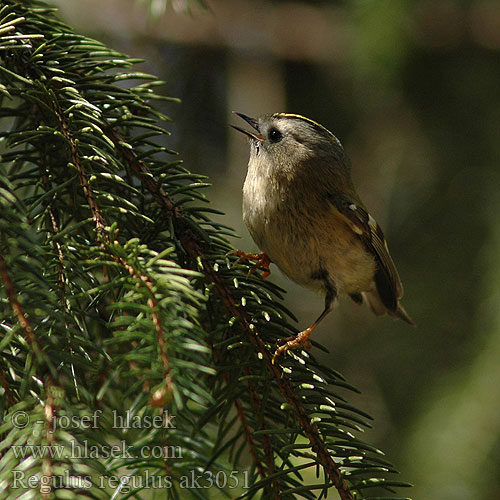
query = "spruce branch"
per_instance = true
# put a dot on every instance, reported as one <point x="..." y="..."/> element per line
<point x="116" y="275"/>
<point x="192" y="245"/>
<point x="195" y="249"/>
<point x="311" y="430"/>
<point x="17" y="309"/>
<point x="82" y="174"/>
<point x="248" y="436"/>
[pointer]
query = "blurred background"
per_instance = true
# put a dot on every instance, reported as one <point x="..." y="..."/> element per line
<point x="412" y="90"/>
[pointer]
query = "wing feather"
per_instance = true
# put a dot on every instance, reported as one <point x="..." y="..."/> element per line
<point x="362" y="223"/>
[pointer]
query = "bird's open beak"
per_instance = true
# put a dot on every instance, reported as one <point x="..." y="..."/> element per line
<point x="253" y="122"/>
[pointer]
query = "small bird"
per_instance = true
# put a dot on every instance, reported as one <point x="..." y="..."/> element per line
<point x="302" y="210"/>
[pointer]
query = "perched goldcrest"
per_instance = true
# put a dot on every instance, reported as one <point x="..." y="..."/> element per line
<point x="302" y="210"/>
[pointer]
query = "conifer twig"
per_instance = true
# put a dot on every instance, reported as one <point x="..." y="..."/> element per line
<point x="195" y="249"/>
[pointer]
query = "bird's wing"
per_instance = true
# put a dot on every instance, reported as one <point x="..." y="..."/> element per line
<point x="364" y="225"/>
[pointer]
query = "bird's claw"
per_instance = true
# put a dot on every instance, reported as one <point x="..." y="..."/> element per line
<point x="300" y="340"/>
<point x="262" y="261"/>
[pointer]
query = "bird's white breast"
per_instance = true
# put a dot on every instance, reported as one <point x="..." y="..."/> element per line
<point x="300" y="236"/>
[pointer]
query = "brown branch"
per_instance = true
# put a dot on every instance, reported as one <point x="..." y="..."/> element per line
<point x="243" y="419"/>
<point x="16" y="307"/>
<point x="310" y="429"/>
<point x="5" y="385"/>
<point x="50" y="411"/>
<point x="53" y="214"/>
<point x="35" y="344"/>
<point x="82" y="174"/>
<point x="195" y="249"/>
<point x="268" y="446"/>
<point x="56" y="230"/>
<point x="141" y="169"/>
<point x="159" y="397"/>
<point x="249" y="437"/>
<point x="161" y="197"/>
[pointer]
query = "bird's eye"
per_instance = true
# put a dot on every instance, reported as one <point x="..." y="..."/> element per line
<point x="275" y="135"/>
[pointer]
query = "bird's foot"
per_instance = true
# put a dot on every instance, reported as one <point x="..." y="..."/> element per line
<point x="262" y="261"/>
<point x="300" y="340"/>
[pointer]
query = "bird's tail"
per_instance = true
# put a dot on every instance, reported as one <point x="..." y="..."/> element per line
<point x="377" y="306"/>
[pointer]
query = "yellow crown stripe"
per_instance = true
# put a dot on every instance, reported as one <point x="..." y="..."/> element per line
<point x="300" y="117"/>
<point x="312" y="122"/>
